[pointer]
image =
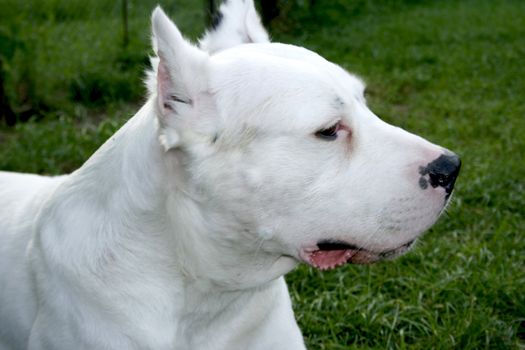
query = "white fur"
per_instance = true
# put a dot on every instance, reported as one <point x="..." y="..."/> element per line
<point x="182" y="243"/>
<point x="239" y="24"/>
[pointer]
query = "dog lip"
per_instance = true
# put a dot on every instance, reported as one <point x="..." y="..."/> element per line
<point x="335" y="245"/>
<point x="394" y="252"/>
<point x="338" y="253"/>
<point x="327" y="245"/>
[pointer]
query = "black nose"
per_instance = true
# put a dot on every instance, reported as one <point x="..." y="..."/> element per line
<point x="442" y="171"/>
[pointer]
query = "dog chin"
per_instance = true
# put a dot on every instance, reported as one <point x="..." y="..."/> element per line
<point x="330" y="255"/>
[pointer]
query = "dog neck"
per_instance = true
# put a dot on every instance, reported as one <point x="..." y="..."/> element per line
<point x="144" y="211"/>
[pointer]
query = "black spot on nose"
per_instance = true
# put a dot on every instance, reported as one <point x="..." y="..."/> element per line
<point x="442" y="172"/>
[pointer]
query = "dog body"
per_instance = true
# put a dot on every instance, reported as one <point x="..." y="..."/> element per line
<point x="246" y="160"/>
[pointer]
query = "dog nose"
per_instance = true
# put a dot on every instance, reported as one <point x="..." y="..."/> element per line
<point x="443" y="171"/>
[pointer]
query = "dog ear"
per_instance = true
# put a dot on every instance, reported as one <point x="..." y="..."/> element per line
<point x="181" y="70"/>
<point x="237" y="22"/>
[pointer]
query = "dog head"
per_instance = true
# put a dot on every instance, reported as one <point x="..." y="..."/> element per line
<point x="288" y="160"/>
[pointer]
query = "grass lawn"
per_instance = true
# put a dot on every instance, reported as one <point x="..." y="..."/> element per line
<point x="451" y="71"/>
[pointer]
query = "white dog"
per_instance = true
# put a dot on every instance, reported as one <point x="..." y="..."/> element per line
<point x="248" y="158"/>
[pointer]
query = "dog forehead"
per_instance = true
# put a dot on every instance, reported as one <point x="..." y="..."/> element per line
<point x="290" y="83"/>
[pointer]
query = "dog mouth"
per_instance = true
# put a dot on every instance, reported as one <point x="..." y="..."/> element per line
<point x="331" y="254"/>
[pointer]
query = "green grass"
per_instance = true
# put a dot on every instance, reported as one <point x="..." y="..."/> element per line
<point x="451" y="71"/>
<point x="70" y="53"/>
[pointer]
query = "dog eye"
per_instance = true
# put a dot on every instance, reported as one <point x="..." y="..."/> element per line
<point x="329" y="134"/>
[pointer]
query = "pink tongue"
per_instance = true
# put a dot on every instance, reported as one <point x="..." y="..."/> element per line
<point x="327" y="259"/>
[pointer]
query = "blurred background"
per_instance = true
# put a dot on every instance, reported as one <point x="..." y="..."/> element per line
<point x="71" y="74"/>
